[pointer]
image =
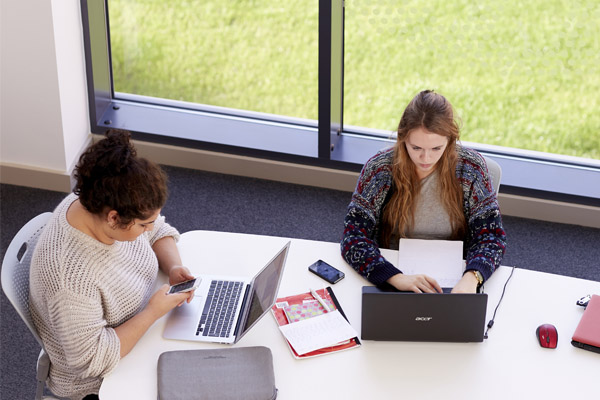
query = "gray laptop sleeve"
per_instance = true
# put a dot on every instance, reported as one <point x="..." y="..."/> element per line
<point x="223" y="374"/>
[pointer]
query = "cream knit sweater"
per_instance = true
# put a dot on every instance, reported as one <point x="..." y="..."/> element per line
<point x="80" y="289"/>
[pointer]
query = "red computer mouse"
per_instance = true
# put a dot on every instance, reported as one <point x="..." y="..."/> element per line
<point x="547" y="336"/>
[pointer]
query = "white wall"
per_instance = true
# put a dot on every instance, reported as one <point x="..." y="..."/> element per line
<point x="44" y="121"/>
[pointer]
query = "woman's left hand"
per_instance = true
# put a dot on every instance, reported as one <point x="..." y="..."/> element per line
<point x="179" y="273"/>
<point x="467" y="284"/>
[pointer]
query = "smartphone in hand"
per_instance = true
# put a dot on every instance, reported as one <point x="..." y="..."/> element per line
<point x="326" y="271"/>
<point x="186" y="286"/>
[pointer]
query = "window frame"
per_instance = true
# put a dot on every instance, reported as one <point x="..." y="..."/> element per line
<point x="325" y="143"/>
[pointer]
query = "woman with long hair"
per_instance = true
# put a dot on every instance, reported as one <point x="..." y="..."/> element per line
<point x="427" y="186"/>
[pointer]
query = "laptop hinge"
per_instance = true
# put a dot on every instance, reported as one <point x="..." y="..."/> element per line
<point x="241" y="319"/>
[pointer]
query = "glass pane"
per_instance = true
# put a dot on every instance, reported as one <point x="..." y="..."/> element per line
<point x="256" y="55"/>
<point x="522" y="74"/>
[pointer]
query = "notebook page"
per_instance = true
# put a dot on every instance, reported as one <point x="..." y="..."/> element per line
<point x="318" y="332"/>
<point x="440" y="259"/>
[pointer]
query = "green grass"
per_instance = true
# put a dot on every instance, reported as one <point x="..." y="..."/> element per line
<point x="520" y="74"/>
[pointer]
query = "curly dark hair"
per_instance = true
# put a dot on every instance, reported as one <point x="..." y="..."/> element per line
<point x="110" y="176"/>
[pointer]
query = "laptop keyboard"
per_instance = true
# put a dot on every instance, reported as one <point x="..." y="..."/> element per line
<point x="219" y="309"/>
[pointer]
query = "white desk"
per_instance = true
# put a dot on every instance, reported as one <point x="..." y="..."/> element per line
<point x="509" y="365"/>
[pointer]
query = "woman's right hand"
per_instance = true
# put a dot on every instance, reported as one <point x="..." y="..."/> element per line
<point x="161" y="303"/>
<point x="415" y="283"/>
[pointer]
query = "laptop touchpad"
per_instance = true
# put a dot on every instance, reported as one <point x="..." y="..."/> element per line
<point x="191" y="309"/>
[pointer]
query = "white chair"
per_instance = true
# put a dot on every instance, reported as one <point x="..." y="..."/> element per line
<point x="495" y="173"/>
<point x="15" y="283"/>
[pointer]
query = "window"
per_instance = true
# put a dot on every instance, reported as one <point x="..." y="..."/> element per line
<point x="521" y="74"/>
<point x="246" y="55"/>
<point x="317" y="83"/>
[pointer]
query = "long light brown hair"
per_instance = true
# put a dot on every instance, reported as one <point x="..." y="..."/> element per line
<point x="431" y="111"/>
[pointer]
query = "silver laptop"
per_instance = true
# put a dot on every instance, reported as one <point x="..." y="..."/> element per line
<point x="422" y="317"/>
<point x="224" y="308"/>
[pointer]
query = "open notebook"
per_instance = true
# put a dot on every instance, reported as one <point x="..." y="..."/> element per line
<point x="440" y="259"/>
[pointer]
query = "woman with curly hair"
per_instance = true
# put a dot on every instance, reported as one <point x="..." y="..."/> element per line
<point x="95" y="265"/>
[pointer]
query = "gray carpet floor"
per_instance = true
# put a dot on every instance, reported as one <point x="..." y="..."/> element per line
<point x="209" y="201"/>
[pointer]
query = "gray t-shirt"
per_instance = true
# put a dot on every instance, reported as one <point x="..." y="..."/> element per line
<point x="431" y="218"/>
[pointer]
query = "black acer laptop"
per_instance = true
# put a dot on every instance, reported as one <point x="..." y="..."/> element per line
<point x="422" y="317"/>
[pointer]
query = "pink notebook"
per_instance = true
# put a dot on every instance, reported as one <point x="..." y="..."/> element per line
<point x="587" y="334"/>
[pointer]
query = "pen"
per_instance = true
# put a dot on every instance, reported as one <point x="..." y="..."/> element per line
<point x="319" y="299"/>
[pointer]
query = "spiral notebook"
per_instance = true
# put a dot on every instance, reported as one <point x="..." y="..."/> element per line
<point x="291" y="309"/>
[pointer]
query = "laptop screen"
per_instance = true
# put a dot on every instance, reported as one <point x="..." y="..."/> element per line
<point x="264" y="288"/>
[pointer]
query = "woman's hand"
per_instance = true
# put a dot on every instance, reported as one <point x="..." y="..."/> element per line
<point x="415" y="283"/>
<point x="467" y="284"/>
<point x="179" y="273"/>
<point x="161" y="303"/>
<point x="130" y="331"/>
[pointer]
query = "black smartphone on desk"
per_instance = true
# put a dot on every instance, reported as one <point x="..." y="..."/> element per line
<point x="326" y="271"/>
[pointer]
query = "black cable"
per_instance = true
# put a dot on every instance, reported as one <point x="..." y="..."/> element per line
<point x="491" y="323"/>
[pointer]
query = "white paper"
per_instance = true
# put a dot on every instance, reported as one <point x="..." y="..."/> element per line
<point x="439" y="259"/>
<point x="318" y="332"/>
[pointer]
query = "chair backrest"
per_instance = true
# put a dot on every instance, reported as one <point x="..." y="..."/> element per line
<point x="495" y="173"/>
<point x="15" y="268"/>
